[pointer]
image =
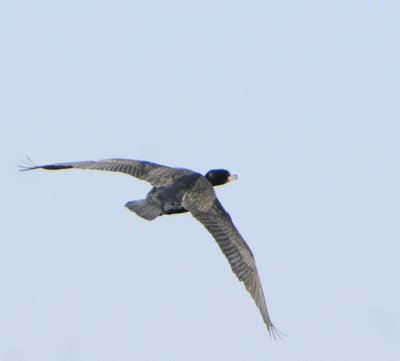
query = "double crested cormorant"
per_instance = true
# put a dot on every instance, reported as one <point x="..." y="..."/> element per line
<point x="178" y="190"/>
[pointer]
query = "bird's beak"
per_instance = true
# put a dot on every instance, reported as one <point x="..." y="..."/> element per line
<point x="232" y="177"/>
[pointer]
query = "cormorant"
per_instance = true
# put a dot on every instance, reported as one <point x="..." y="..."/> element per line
<point x="178" y="190"/>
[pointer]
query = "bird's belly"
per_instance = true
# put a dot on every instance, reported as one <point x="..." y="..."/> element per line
<point x="175" y="210"/>
<point x="169" y="201"/>
<point x="172" y="205"/>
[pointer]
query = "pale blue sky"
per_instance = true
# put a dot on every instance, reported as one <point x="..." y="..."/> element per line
<point x="300" y="99"/>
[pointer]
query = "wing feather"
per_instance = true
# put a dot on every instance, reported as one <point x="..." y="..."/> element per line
<point x="218" y="222"/>
<point x="156" y="174"/>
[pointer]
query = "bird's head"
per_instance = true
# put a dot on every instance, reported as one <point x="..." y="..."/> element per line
<point x="220" y="176"/>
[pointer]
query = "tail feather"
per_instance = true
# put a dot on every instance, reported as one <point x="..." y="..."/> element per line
<point x="143" y="208"/>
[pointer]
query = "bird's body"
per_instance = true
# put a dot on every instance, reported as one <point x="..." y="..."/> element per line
<point x="166" y="199"/>
<point x="178" y="190"/>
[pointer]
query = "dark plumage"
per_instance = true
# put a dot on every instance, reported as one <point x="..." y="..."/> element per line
<point x="178" y="190"/>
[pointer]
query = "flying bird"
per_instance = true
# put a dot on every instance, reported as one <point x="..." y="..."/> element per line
<point x="179" y="190"/>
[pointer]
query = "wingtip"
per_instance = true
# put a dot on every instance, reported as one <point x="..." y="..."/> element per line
<point x="275" y="334"/>
<point x="27" y="164"/>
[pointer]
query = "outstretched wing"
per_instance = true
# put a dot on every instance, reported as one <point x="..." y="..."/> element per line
<point x="218" y="222"/>
<point x="156" y="174"/>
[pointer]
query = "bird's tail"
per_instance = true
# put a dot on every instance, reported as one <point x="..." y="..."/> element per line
<point x="143" y="208"/>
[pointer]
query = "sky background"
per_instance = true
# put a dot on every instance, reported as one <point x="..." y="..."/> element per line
<point x="300" y="98"/>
